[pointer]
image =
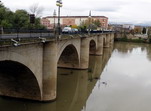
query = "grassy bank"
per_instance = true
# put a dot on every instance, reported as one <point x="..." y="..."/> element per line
<point x="131" y="40"/>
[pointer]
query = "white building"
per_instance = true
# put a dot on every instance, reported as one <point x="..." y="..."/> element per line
<point x="128" y="26"/>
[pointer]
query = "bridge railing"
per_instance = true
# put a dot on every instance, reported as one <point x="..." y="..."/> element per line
<point x="25" y="33"/>
<point x="29" y="33"/>
<point x="20" y="36"/>
<point x="86" y="32"/>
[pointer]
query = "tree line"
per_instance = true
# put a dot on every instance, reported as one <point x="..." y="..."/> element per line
<point x="19" y="19"/>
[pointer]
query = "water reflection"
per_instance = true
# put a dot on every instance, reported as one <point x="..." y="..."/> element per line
<point x="128" y="81"/>
<point x="125" y="49"/>
<point x="74" y="88"/>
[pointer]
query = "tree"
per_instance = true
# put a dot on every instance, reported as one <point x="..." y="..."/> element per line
<point x="144" y="30"/>
<point x="97" y="23"/>
<point x="90" y="23"/>
<point x="137" y="30"/>
<point x="18" y="19"/>
<point x="37" y="24"/>
<point x="21" y="19"/>
<point x="74" y="26"/>
<point x="6" y="24"/>
<point x="83" y="26"/>
<point x="36" y="9"/>
<point x="1" y="5"/>
<point x="132" y="31"/>
<point x="149" y="34"/>
<point x="5" y="17"/>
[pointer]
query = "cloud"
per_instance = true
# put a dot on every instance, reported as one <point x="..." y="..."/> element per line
<point x="94" y="5"/>
<point x="116" y="10"/>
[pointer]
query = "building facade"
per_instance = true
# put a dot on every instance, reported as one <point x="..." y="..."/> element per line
<point x="46" y="23"/>
<point x="128" y="26"/>
<point x="72" y="20"/>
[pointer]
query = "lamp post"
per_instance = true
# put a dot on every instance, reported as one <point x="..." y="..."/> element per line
<point x="59" y="4"/>
<point x="54" y="15"/>
<point x="89" y="22"/>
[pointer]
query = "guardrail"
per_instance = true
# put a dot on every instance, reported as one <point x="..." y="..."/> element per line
<point x="36" y="33"/>
<point x="24" y="33"/>
<point x="16" y="37"/>
<point x="86" y="32"/>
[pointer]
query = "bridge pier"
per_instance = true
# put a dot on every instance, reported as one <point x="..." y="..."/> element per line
<point x="84" y="53"/>
<point x="112" y="38"/>
<point x="99" y="49"/>
<point x="107" y="42"/>
<point x="49" y="71"/>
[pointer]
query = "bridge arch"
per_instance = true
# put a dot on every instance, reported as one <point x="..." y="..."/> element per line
<point x="107" y="40"/>
<point x="29" y="56"/>
<point x="17" y="80"/>
<point x="92" y="47"/>
<point x="69" y="58"/>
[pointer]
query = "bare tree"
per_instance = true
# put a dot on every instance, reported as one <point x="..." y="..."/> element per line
<point x="36" y="9"/>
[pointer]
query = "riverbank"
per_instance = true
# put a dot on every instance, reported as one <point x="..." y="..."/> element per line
<point x="132" y="40"/>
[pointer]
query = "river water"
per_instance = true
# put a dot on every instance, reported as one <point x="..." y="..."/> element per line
<point x="120" y="80"/>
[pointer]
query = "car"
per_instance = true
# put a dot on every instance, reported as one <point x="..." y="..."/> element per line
<point x="74" y="30"/>
<point x="67" y="30"/>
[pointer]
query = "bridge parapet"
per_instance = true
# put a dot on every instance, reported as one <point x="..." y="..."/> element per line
<point x="12" y="40"/>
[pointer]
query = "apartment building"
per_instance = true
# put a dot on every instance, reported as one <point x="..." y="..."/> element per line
<point x="72" y="20"/>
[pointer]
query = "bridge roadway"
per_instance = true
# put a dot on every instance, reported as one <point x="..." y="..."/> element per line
<point x="30" y="70"/>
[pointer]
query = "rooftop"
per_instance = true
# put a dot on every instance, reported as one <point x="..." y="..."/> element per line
<point x="77" y="17"/>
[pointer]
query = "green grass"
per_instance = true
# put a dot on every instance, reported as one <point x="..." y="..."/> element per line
<point x="130" y="40"/>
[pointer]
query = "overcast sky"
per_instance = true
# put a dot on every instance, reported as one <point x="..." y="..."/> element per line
<point x="128" y="11"/>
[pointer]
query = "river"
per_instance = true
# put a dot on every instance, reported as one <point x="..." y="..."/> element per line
<point x="120" y="80"/>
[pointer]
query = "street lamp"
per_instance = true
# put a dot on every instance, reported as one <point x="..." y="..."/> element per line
<point x="54" y="15"/>
<point x="59" y="4"/>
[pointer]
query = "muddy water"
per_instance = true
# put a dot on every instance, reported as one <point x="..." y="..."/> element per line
<point x="120" y="80"/>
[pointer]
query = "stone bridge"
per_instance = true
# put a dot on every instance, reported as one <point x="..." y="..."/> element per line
<point x="29" y="71"/>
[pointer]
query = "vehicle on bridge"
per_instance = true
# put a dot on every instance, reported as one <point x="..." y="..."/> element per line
<point x="74" y="30"/>
<point x="69" y="30"/>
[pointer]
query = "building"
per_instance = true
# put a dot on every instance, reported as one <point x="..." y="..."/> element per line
<point x="46" y="22"/>
<point x="115" y="27"/>
<point x="72" y="20"/>
<point x="128" y="26"/>
<point x="119" y="27"/>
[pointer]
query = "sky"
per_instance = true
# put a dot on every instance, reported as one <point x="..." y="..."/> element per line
<point x="118" y="11"/>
